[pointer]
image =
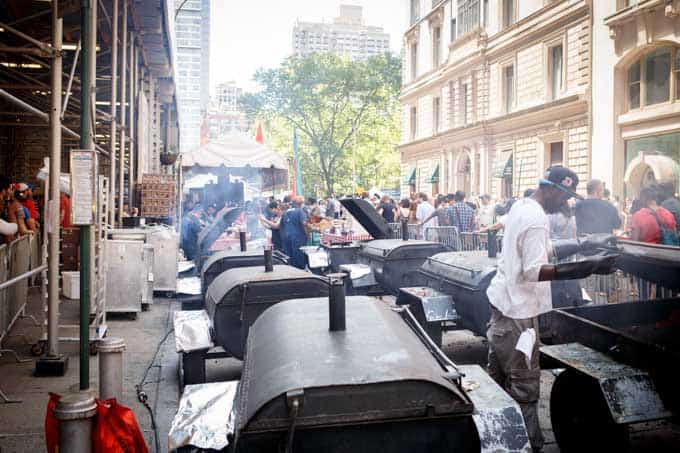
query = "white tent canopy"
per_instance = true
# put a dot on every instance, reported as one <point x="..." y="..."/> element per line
<point x="234" y="151"/>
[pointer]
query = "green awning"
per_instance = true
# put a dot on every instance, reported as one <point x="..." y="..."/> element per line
<point x="434" y="179"/>
<point x="504" y="170"/>
<point x="411" y="180"/>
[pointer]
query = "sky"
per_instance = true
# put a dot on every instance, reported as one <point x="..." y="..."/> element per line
<point x="247" y="35"/>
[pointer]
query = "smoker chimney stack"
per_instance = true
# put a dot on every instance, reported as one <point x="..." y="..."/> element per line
<point x="242" y="239"/>
<point x="336" y="303"/>
<point x="492" y="244"/>
<point x="268" y="260"/>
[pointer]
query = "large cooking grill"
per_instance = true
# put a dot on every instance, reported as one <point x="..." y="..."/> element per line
<point x="394" y="262"/>
<point x="237" y="297"/>
<point x="379" y="385"/>
<point x="464" y="276"/>
<point x="229" y="259"/>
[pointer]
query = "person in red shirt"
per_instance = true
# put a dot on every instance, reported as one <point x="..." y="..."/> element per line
<point x="64" y="210"/>
<point x="645" y="222"/>
<point x="30" y="204"/>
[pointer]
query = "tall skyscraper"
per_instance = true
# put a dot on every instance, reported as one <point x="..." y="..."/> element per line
<point x="192" y="28"/>
<point x="346" y="35"/>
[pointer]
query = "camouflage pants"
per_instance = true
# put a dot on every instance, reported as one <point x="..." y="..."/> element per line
<point x="510" y="369"/>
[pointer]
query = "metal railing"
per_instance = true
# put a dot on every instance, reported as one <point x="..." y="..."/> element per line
<point x="414" y="231"/>
<point x="19" y="262"/>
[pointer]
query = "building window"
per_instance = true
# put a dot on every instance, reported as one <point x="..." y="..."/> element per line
<point x="468" y="16"/>
<point x="453" y="29"/>
<point x="657" y="76"/>
<point x="509" y="13"/>
<point x="654" y="78"/>
<point x="556" y="69"/>
<point x="509" y="87"/>
<point x="485" y="13"/>
<point x="634" y="86"/>
<point x="556" y="153"/>
<point x="436" y="45"/>
<point x="415" y="11"/>
<point x="464" y="103"/>
<point x="414" y="122"/>
<point x="414" y="60"/>
<point x="436" y="114"/>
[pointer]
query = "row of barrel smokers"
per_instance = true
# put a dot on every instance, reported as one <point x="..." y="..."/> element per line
<point x="328" y="366"/>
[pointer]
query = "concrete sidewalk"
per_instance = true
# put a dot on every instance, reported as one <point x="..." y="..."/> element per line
<point x="22" y="424"/>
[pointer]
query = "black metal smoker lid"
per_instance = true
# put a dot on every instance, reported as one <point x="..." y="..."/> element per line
<point x="656" y="263"/>
<point x="212" y="232"/>
<point x="368" y="217"/>
<point x="234" y="278"/>
<point x="470" y="268"/>
<point x="290" y="348"/>
<point x="231" y="254"/>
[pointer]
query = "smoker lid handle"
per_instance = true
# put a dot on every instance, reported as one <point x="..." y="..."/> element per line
<point x="452" y="371"/>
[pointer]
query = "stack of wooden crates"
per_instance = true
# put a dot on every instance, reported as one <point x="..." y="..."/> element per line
<point x="158" y="196"/>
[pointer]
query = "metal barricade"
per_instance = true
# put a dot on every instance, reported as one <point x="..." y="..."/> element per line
<point x="622" y="287"/>
<point x="446" y="235"/>
<point x="4" y="308"/>
<point x="19" y="263"/>
<point x="413" y="230"/>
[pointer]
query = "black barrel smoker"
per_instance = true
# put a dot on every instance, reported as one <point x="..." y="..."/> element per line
<point x="464" y="276"/>
<point x="229" y="259"/>
<point x="236" y="298"/>
<point x="620" y="360"/>
<point x="380" y="385"/>
<point x="394" y="263"/>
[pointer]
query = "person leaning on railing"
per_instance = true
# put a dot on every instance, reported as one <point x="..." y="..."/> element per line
<point x="7" y="229"/>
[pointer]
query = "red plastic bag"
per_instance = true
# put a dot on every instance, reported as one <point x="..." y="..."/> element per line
<point x="52" y="425"/>
<point x="116" y="429"/>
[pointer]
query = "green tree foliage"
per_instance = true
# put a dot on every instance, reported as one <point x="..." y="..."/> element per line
<point x="344" y="112"/>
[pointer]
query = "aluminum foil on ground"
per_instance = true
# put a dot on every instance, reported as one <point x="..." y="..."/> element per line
<point x="360" y="274"/>
<point x="189" y="285"/>
<point x="200" y="420"/>
<point x="184" y="266"/>
<point x="192" y="330"/>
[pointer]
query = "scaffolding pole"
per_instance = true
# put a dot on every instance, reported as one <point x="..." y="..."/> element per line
<point x="123" y="99"/>
<point x="89" y="35"/>
<point x="114" y="94"/>
<point x="55" y="178"/>
<point x="131" y="122"/>
<point x="44" y="116"/>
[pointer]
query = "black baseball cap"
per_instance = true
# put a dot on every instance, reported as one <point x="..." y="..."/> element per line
<point x="561" y="178"/>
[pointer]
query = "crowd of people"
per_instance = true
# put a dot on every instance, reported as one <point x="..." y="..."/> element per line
<point x="19" y="213"/>
<point x="294" y="221"/>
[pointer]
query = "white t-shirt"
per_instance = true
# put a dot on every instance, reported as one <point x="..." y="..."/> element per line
<point x="486" y="213"/>
<point x="424" y="211"/>
<point x="515" y="290"/>
<point x="8" y="228"/>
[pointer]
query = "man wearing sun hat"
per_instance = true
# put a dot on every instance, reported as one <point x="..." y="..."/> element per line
<point x="520" y="290"/>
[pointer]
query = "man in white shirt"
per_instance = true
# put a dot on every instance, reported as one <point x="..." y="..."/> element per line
<point x="424" y="211"/>
<point x="520" y="291"/>
<point x="486" y="212"/>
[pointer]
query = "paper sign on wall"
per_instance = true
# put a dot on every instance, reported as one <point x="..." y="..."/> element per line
<point x="83" y="178"/>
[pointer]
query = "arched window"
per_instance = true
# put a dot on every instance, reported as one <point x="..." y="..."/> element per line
<point x="654" y="78"/>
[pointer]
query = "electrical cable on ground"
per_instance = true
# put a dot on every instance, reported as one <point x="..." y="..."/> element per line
<point x="139" y="388"/>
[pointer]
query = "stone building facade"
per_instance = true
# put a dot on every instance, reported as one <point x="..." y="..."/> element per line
<point x="636" y="93"/>
<point x="494" y="92"/>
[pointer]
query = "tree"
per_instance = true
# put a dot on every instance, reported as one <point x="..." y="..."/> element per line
<point x="336" y="104"/>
